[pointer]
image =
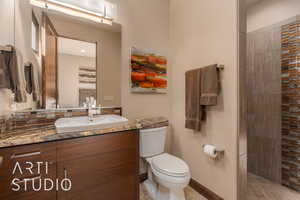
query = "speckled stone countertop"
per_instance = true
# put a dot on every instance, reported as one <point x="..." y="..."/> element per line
<point x="48" y="133"/>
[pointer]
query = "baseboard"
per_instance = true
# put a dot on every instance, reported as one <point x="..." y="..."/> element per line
<point x="143" y="177"/>
<point x="205" y="192"/>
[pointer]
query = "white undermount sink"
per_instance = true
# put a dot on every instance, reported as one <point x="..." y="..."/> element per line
<point x="75" y="124"/>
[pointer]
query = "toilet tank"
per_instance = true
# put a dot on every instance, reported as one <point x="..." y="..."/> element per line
<point x="152" y="141"/>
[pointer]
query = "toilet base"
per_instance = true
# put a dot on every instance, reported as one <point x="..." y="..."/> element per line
<point x="151" y="188"/>
<point x="164" y="193"/>
<point x="177" y="195"/>
<point x="158" y="192"/>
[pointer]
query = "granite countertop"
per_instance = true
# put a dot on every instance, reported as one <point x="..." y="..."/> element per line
<point x="48" y="133"/>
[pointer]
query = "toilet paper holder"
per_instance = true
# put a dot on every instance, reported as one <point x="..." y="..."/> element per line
<point x="219" y="152"/>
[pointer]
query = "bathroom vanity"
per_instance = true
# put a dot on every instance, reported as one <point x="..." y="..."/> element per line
<point x="100" y="167"/>
<point x="101" y="163"/>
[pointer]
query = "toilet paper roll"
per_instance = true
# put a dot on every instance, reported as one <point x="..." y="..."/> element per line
<point x="210" y="150"/>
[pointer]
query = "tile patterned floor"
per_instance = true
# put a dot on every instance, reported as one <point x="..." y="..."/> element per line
<point x="258" y="189"/>
<point x="189" y="192"/>
<point x="263" y="189"/>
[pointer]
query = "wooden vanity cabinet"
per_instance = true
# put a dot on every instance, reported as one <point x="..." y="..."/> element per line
<point x="103" y="167"/>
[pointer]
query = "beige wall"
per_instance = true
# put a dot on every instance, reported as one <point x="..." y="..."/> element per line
<point x="68" y="78"/>
<point x="145" y="24"/>
<point x="271" y="12"/>
<point x="7" y="21"/>
<point x="202" y="33"/>
<point x="108" y="55"/>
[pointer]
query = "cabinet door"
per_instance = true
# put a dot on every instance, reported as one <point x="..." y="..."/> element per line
<point x="100" y="167"/>
<point x="27" y="157"/>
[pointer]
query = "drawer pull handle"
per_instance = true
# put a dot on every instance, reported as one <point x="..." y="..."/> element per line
<point x="25" y="155"/>
<point x="65" y="174"/>
<point x="1" y="160"/>
<point x="31" y="179"/>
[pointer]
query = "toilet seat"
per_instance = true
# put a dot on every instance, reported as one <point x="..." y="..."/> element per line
<point x="170" y="165"/>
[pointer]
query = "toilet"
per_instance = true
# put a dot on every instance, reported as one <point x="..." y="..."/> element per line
<point x="167" y="174"/>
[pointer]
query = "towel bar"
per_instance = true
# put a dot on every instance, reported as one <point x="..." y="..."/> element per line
<point x="5" y="48"/>
<point x="221" y="67"/>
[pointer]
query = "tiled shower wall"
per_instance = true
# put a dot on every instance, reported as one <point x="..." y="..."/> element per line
<point x="263" y="77"/>
<point x="291" y="105"/>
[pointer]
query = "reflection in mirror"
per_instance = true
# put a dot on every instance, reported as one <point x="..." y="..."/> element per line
<point x="77" y="61"/>
<point x="41" y="38"/>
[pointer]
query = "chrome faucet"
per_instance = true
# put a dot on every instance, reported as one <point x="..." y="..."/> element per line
<point x="94" y="111"/>
<point x="99" y="110"/>
<point x="91" y="105"/>
<point x="91" y="113"/>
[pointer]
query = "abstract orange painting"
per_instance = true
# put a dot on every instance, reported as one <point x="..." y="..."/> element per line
<point x="148" y="72"/>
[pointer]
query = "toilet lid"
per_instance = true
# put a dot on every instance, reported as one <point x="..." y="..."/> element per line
<point x="170" y="165"/>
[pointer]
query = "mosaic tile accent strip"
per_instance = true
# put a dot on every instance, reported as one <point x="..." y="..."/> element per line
<point x="291" y="105"/>
<point x="42" y="118"/>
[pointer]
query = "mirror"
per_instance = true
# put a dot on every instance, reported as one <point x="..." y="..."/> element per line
<point x="64" y="59"/>
<point x="76" y="61"/>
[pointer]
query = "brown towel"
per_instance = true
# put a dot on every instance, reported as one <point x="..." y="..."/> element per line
<point x="35" y="85"/>
<point x="32" y="82"/>
<point x="10" y="75"/>
<point x="209" y="85"/>
<point x="194" y="112"/>
<point x="28" y="71"/>
<point x="4" y="73"/>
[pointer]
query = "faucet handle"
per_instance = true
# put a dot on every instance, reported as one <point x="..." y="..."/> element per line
<point x="99" y="109"/>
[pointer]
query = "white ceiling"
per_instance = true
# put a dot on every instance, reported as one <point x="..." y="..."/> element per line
<point x="251" y="2"/>
<point x="115" y="27"/>
<point x="96" y="6"/>
<point x="76" y="47"/>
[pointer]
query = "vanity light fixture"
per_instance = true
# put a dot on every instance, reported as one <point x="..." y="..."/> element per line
<point x="103" y="15"/>
<point x="82" y="51"/>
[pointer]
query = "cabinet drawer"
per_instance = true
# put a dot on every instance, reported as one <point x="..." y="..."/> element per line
<point x="95" y="145"/>
<point x="22" y="163"/>
<point x="24" y="155"/>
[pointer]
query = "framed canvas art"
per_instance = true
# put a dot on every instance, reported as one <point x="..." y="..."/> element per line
<point x="148" y="72"/>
